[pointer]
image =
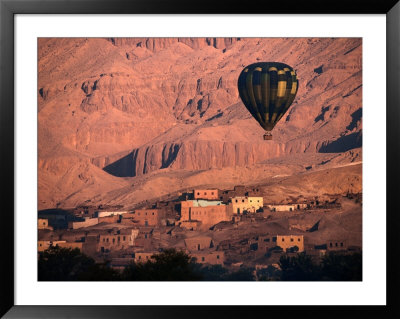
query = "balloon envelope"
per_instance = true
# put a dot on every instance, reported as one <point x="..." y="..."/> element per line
<point x="267" y="89"/>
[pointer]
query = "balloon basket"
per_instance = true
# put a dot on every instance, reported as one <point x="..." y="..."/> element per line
<point x="268" y="136"/>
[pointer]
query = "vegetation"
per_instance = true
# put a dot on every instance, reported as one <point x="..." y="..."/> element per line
<point x="64" y="264"/>
<point x="170" y="265"/>
<point x="333" y="267"/>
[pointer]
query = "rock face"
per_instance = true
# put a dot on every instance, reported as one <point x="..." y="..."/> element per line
<point x="127" y="107"/>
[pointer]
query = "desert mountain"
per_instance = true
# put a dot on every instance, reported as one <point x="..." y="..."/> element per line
<point x="125" y="120"/>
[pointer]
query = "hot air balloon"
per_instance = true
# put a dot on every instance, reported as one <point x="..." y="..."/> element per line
<point x="267" y="89"/>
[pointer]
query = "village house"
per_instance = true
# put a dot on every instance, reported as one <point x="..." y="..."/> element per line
<point x="336" y="245"/>
<point x="121" y="239"/>
<point x="43" y="223"/>
<point x="142" y="257"/>
<point x="144" y="238"/>
<point x="143" y="217"/>
<point x="289" y="241"/>
<point x="239" y="205"/>
<point x="285" y="207"/>
<point x="198" y="243"/>
<point x="210" y="257"/>
<point x="43" y="245"/>
<point x="207" y="212"/>
<point x="112" y="219"/>
<point x="90" y="244"/>
<point x="238" y="190"/>
<point x="208" y="194"/>
<point x="82" y="224"/>
<point x="262" y="244"/>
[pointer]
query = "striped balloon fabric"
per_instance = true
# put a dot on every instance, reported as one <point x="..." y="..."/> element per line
<point x="267" y="89"/>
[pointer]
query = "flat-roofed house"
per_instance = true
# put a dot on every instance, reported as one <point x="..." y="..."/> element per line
<point x="209" y="194"/>
<point x="289" y="241"/>
<point x="122" y="239"/>
<point x="239" y="205"/>
<point x="208" y="213"/>
<point x="198" y="243"/>
<point x="209" y="257"/>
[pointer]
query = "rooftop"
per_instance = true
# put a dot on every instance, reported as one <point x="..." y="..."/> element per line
<point x="205" y="203"/>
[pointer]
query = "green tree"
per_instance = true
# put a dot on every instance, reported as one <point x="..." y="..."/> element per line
<point x="65" y="264"/>
<point x="211" y="272"/>
<point x="243" y="274"/>
<point x="342" y="267"/>
<point x="268" y="274"/>
<point x="169" y="265"/>
<point x="298" y="268"/>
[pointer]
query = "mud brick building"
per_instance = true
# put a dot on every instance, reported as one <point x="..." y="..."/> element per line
<point x="143" y="217"/>
<point x="43" y="223"/>
<point x="285" y="207"/>
<point x="210" y="257"/>
<point x="209" y="194"/>
<point x="110" y="219"/>
<point x="336" y="245"/>
<point x="289" y="241"/>
<point x="82" y="224"/>
<point x="122" y="239"/>
<point x="198" y="243"/>
<point x="142" y="257"/>
<point x="239" y="205"/>
<point x="207" y="212"/>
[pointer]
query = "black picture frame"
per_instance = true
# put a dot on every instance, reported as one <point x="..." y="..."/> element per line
<point x="9" y="8"/>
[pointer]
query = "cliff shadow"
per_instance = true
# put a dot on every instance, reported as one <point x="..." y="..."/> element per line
<point x="124" y="167"/>
<point x="343" y="144"/>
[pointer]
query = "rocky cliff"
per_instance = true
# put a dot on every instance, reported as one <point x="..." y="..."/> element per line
<point x="123" y="108"/>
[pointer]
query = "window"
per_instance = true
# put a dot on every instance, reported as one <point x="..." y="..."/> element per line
<point x="217" y="256"/>
<point x="298" y="239"/>
<point x="138" y="214"/>
<point x="341" y="244"/>
<point x="291" y="239"/>
<point x="336" y="244"/>
<point x="119" y="239"/>
<point x="40" y="245"/>
<point x="104" y="240"/>
<point x="124" y="238"/>
<point x="146" y="214"/>
<point x="107" y="240"/>
<point x="266" y="240"/>
<point x="198" y="193"/>
<point x="153" y="213"/>
<point x="44" y="223"/>
<point x="330" y="244"/>
<point x="212" y="193"/>
<point x="113" y="240"/>
<point x="205" y="193"/>
<point x="236" y="200"/>
<point x="283" y="239"/>
<point x="242" y="200"/>
<point x="140" y="257"/>
<point x="202" y="259"/>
